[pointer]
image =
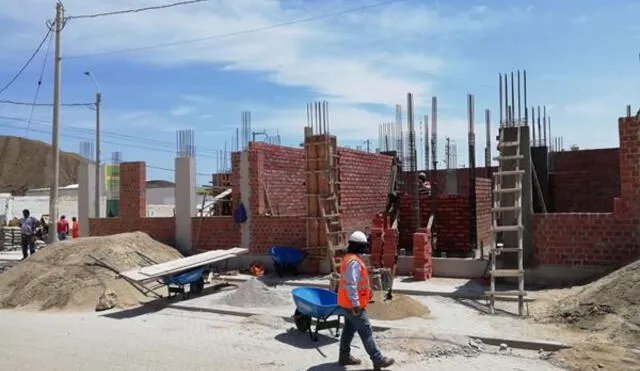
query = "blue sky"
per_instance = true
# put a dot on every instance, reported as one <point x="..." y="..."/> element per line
<point x="581" y="59"/>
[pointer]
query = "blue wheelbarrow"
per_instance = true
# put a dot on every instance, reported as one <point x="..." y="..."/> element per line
<point x="176" y="283"/>
<point x="317" y="304"/>
<point x="286" y="259"/>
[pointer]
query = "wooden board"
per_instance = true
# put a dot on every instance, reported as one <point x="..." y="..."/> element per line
<point x="183" y="264"/>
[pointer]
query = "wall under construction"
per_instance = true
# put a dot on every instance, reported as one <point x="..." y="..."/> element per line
<point x="452" y="219"/>
<point x="277" y="200"/>
<point x="597" y="239"/>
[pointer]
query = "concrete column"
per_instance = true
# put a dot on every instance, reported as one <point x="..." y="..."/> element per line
<point x="86" y="196"/>
<point x="185" y="202"/>
<point x="451" y="187"/>
<point x="245" y="197"/>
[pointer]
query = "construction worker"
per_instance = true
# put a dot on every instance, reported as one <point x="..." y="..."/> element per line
<point x="63" y="228"/>
<point x="425" y="185"/>
<point x="28" y="226"/>
<point x="354" y="294"/>
<point x="75" y="228"/>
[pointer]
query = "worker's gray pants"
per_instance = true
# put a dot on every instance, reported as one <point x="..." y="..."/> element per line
<point x="28" y="245"/>
<point x="362" y="326"/>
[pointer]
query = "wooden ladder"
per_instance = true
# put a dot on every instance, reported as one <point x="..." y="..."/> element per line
<point x="510" y="174"/>
<point x="336" y="237"/>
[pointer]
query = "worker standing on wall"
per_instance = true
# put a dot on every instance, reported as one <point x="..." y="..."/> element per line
<point x="75" y="228"/>
<point x="354" y="294"/>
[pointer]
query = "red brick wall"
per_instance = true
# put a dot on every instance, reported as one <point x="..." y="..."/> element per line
<point x="268" y="231"/>
<point x="161" y="229"/>
<point x="364" y="185"/>
<point x="452" y="219"/>
<point x="609" y="239"/>
<point x="585" y="181"/>
<point x="282" y="171"/>
<point x="218" y="232"/>
<point x="483" y="212"/>
<point x="133" y="190"/>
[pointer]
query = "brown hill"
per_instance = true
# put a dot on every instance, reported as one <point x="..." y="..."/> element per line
<point x="25" y="164"/>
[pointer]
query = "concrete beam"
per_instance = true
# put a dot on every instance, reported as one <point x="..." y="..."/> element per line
<point x="185" y="197"/>
<point x="86" y="196"/>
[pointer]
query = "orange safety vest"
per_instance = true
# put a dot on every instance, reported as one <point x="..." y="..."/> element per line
<point x="363" y="288"/>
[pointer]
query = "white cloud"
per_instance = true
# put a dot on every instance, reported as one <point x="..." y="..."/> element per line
<point x="181" y="110"/>
<point x="374" y="56"/>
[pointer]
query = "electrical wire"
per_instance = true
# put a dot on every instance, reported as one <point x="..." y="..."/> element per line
<point x="33" y="104"/>
<point x="241" y="32"/>
<point x="35" y="99"/>
<point x="26" y="64"/>
<point x="115" y="135"/>
<point x="118" y="12"/>
<point x="88" y="134"/>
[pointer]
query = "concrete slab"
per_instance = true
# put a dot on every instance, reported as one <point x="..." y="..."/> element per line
<point x="446" y="287"/>
<point x="448" y="316"/>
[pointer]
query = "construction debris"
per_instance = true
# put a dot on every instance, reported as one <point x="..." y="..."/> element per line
<point x="64" y="276"/>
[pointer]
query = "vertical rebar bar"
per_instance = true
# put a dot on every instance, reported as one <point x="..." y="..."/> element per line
<point x="426" y="142"/>
<point x="526" y="112"/>
<point x="413" y="165"/>
<point x="473" y="233"/>
<point x="519" y="112"/>
<point x="512" y="112"/>
<point x="500" y="93"/>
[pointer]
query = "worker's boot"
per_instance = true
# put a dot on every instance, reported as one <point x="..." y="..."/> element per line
<point x="382" y="363"/>
<point x="348" y="360"/>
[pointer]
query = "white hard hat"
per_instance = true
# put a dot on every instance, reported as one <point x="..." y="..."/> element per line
<point x="358" y="237"/>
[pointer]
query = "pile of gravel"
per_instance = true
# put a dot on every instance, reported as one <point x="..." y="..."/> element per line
<point x="255" y="293"/>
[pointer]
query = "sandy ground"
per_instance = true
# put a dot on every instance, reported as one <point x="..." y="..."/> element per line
<point x="173" y="339"/>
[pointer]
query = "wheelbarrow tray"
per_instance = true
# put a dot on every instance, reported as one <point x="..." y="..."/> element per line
<point x="286" y="259"/>
<point x="313" y="303"/>
<point x="176" y="283"/>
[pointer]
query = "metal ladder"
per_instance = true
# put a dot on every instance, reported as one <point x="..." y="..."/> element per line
<point x="336" y="237"/>
<point x="510" y="174"/>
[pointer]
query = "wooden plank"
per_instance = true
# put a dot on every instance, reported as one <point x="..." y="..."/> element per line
<point x="183" y="264"/>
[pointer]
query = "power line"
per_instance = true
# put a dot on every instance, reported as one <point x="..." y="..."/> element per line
<point x="241" y="32"/>
<point x="26" y="64"/>
<point x="35" y="99"/>
<point x="118" y="12"/>
<point x="116" y="135"/>
<point x="33" y="104"/>
<point x="158" y="147"/>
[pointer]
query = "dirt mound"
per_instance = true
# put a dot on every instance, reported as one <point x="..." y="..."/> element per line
<point x="402" y="306"/>
<point x="609" y="306"/>
<point x="25" y="164"/>
<point x="256" y="294"/>
<point x="63" y="276"/>
<point x="592" y="357"/>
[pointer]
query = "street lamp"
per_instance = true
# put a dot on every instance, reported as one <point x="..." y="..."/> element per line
<point x="98" y="185"/>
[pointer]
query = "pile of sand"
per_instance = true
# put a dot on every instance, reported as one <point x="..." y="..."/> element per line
<point x="401" y="306"/>
<point x="63" y="276"/>
<point x="256" y="294"/>
<point x="609" y="306"/>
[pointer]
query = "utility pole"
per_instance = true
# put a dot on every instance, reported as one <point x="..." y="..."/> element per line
<point x="55" y="132"/>
<point x="98" y="172"/>
<point x="98" y="187"/>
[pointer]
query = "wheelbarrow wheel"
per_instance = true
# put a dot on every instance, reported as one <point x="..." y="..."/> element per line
<point x="198" y="286"/>
<point x="303" y="322"/>
<point x="279" y="269"/>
